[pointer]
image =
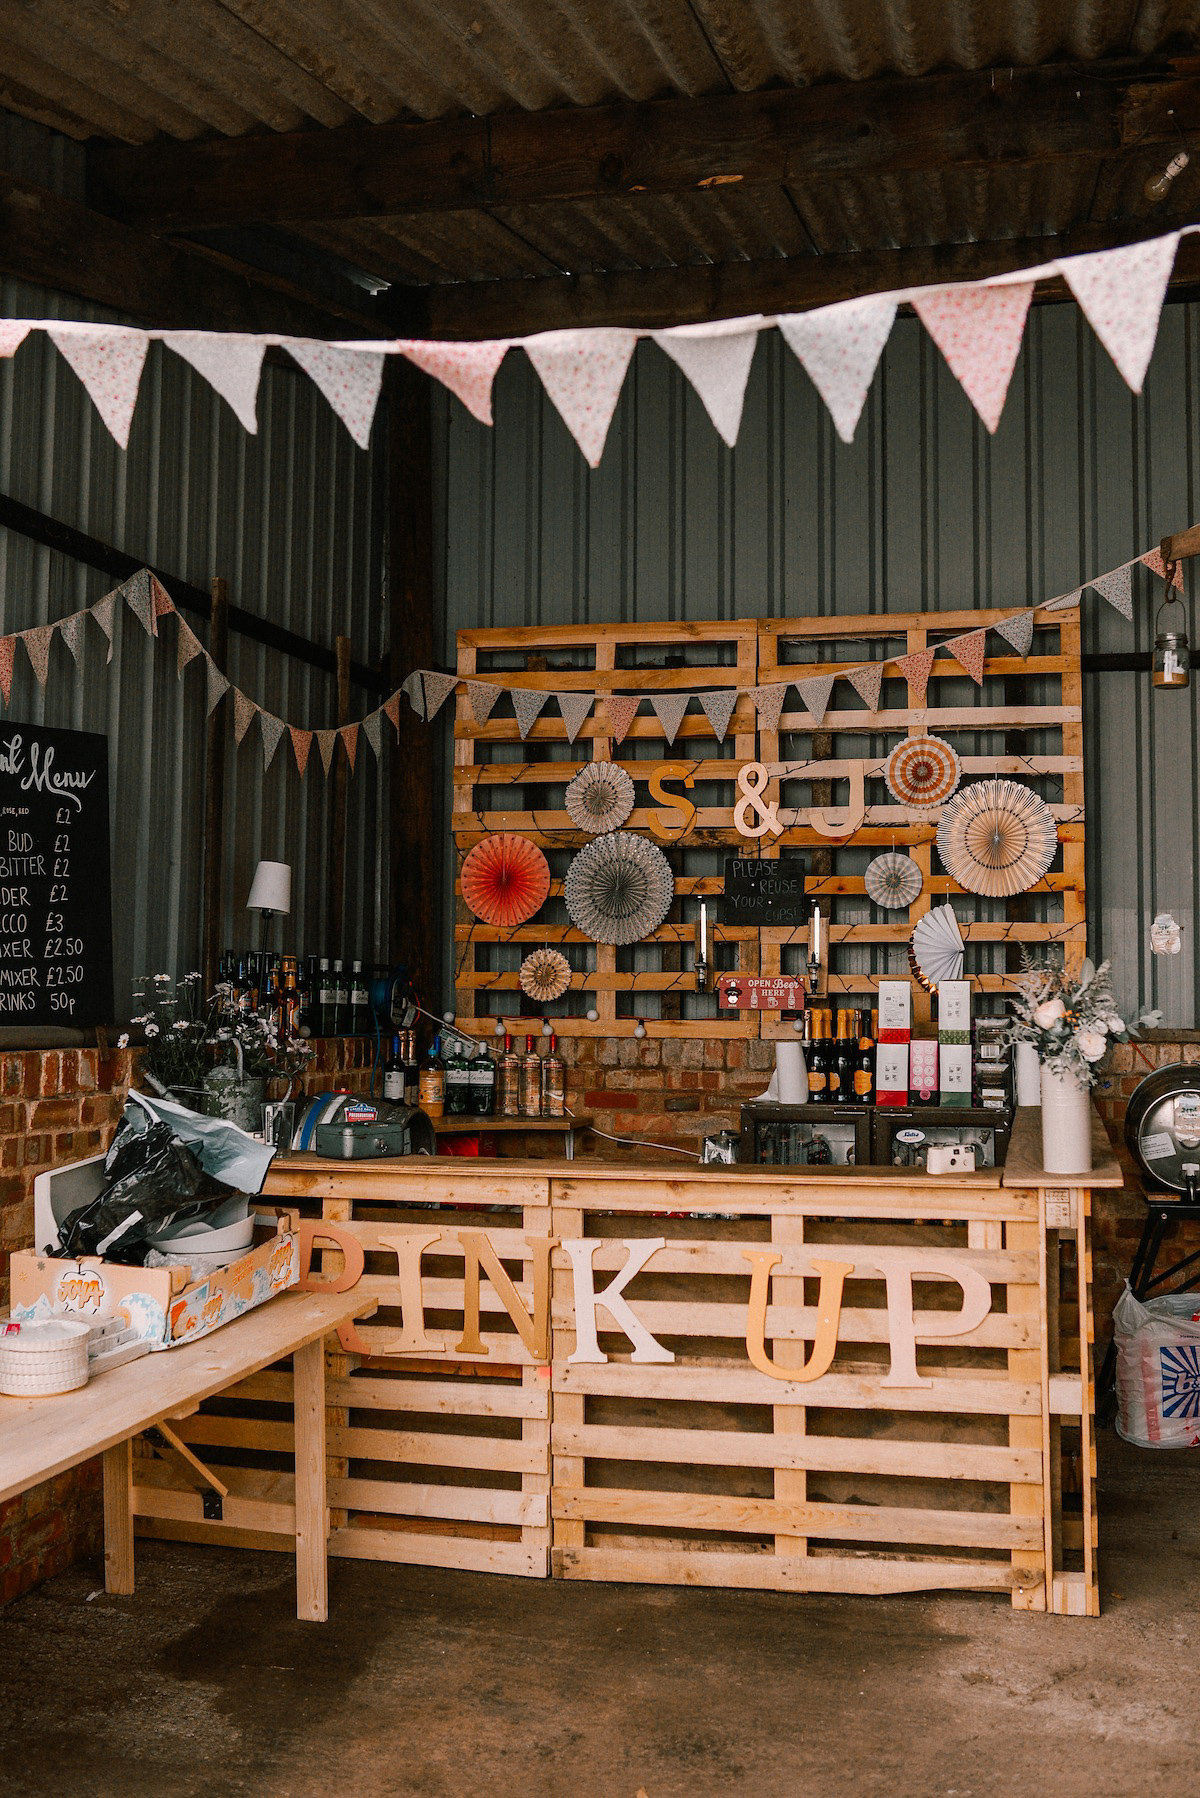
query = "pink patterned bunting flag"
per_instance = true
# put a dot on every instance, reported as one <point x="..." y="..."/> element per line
<point x="716" y="359"/>
<point x="483" y="697"/>
<point x="140" y="600"/>
<point x="669" y="709"/>
<point x="969" y="650"/>
<point x="1154" y="562"/>
<point x="978" y="330"/>
<point x="70" y="629"/>
<point x="231" y="363"/>
<point x="583" y="373"/>
<point x="108" y="360"/>
<point x="1018" y="630"/>
<point x="187" y="645"/>
<point x="768" y="704"/>
<point x="527" y="704"/>
<point x="37" y="646"/>
<point x="271" y="729"/>
<point x="575" y="708"/>
<point x="467" y="369"/>
<point x="301" y="744"/>
<point x="718" y="709"/>
<point x="102" y="612"/>
<point x="621" y="710"/>
<point x="391" y="706"/>
<point x="414" y="691"/>
<point x="867" y="683"/>
<point x="349" y="378"/>
<point x="13" y="332"/>
<point x="326" y="740"/>
<point x="1117" y="588"/>
<point x="915" y="669"/>
<point x="815" y="691"/>
<point x="1121" y="293"/>
<point x="349" y="736"/>
<point x="243" y="714"/>
<point x="437" y="688"/>
<point x="163" y="603"/>
<point x="839" y="349"/>
<point x="372" y="730"/>
<point x="8" y="647"/>
<point x="1064" y="602"/>
<point x="218" y="685"/>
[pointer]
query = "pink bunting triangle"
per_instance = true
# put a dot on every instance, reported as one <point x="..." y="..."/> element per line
<point x="969" y="651"/>
<point x="70" y="629"/>
<point x="349" y="378"/>
<point x="718" y="709"/>
<point x="102" y="612"/>
<point x="1117" y="588"/>
<point x="482" y="696"/>
<point x="187" y="645"/>
<point x="243" y="714"/>
<point x="1154" y="562"/>
<point x="669" y="709"/>
<point x="271" y="730"/>
<point x="37" y="647"/>
<point x="915" y="669"/>
<point x="621" y="710"/>
<point x="814" y="690"/>
<point x="575" y="708"/>
<point x="218" y="685"/>
<point x="437" y="689"/>
<point x="163" y="603"/>
<point x="583" y="373"/>
<point x="867" y="683"/>
<point x="372" y="730"/>
<point x="301" y="744"/>
<point x="1018" y="630"/>
<point x="325" y="743"/>
<point x="1064" y="602"/>
<point x="140" y="600"/>
<point x="716" y="359"/>
<point x="108" y="360"/>
<point x="768" y="704"/>
<point x="349" y="736"/>
<point x="8" y="646"/>
<point x="231" y="363"/>
<point x="1121" y="293"/>
<point x="13" y="332"/>
<point x="978" y="330"/>
<point x="467" y="369"/>
<point x="391" y="706"/>
<point x="839" y="349"/>
<point x="527" y="704"/>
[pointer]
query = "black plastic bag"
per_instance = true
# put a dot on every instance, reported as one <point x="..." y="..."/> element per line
<point x="154" y="1180"/>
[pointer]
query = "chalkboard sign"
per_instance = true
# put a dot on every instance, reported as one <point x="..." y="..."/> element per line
<point x="758" y="891"/>
<point x="55" y="902"/>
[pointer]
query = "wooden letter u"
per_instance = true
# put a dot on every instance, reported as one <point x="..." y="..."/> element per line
<point x="829" y="1315"/>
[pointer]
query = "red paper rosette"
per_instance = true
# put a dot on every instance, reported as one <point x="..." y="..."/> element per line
<point x="505" y="880"/>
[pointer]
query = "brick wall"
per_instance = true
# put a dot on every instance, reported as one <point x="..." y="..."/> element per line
<point x="667" y="1090"/>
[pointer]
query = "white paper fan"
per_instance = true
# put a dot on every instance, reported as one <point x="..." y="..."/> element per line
<point x="619" y="888"/>
<point x="997" y="837"/>
<point x="893" y="881"/>
<point x="936" y="952"/>
<point x="600" y="797"/>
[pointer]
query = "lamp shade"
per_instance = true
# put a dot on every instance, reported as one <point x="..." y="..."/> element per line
<point x="272" y="888"/>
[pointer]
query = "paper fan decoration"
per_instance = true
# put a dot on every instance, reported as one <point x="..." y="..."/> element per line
<point x="505" y="880"/>
<point x="545" y="975"/>
<point x="997" y="837"/>
<point x="936" y="950"/>
<point x="922" y="772"/>
<point x="893" y="881"/>
<point x="619" y="888"/>
<point x="600" y="797"/>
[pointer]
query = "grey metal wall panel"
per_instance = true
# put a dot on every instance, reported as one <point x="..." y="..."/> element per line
<point x="290" y="518"/>
<point x="924" y="511"/>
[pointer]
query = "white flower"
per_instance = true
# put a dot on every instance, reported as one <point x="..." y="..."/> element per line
<point x="123" y="1040"/>
<point x="1115" y="1024"/>
<point x="1048" y="1013"/>
<point x="160" y="977"/>
<point x="1090" y="1043"/>
<point x="151" y="1029"/>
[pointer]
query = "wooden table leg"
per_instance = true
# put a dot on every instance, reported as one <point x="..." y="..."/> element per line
<point x="312" y="1511"/>
<point x="118" y="1517"/>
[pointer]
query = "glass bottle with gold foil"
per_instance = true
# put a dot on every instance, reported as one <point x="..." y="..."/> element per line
<point x="817" y="1057"/>
<point x="841" y="1074"/>
<point x="864" y="1066"/>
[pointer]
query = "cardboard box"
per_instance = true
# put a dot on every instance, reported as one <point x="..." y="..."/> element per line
<point x="955" y="1078"/>
<point x="954" y="1011"/>
<point x="923" y="1071"/>
<point x="891" y="1074"/>
<point x="163" y="1303"/>
<point x="895" y="1011"/>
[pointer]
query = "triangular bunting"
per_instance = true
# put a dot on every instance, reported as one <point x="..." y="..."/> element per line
<point x="467" y="369"/>
<point x="391" y="705"/>
<point x="815" y="691"/>
<point x="231" y="363"/>
<point x="108" y="360"/>
<point x="243" y="714"/>
<point x="70" y="629"/>
<point x="8" y="646"/>
<point x="350" y="380"/>
<point x="163" y="603"/>
<point x="1117" y="588"/>
<point x="1121" y="293"/>
<point x="437" y="688"/>
<point x="372" y="730"/>
<point x="915" y="669"/>
<point x="978" y="330"/>
<point x="716" y="359"/>
<point x="669" y="709"/>
<point x="718" y="709"/>
<point x="583" y="373"/>
<point x="867" y="683"/>
<point x="414" y="692"/>
<point x="218" y="685"/>
<point x="271" y="729"/>
<point x="301" y="744"/>
<point x="1154" y="562"/>
<point x="768" y="704"/>
<point x="969" y="651"/>
<point x="187" y="645"/>
<point x="839" y="349"/>
<point x="527" y="704"/>
<point x="1018" y="630"/>
<point x="13" y="332"/>
<point x="483" y="697"/>
<point x="102" y="612"/>
<point x="621" y="710"/>
<point x="37" y="647"/>
<point x="326" y="740"/>
<point x="575" y="708"/>
<point x="1064" y="602"/>
<point x="140" y="600"/>
<point x="349" y="736"/>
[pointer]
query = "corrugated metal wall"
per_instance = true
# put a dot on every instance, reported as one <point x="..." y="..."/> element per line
<point x="923" y="512"/>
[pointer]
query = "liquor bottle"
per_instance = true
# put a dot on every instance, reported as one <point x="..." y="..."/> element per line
<point x="433" y="1081"/>
<point x="393" y="1075"/>
<point x="483" y="1083"/>
<point x="341" y="1000"/>
<point x="360" y="1002"/>
<point x="845" y="1055"/>
<point x="289" y="1009"/>
<point x="864" y="1066"/>
<point x="241" y="986"/>
<point x="304" y="988"/>
<point x="554" y="1082"/>
<point x="531" y="1081"/>
<point x="458" y="1079"/>
<point x="508" y="1082"/>
<point x="324" y="998"/>
<point x="412" y="1070"/>
<point x="816" y="1057"/>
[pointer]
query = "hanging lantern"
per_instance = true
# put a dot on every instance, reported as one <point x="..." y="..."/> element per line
<point x="1172" y="656"/>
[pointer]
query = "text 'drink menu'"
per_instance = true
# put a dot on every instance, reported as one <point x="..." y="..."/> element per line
<point x="55" y="902"/>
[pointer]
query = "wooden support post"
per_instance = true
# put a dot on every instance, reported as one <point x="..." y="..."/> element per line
<point x="337" y="843"/>
<point x="118" y="1517"/>
<point x="214" y="794"/>
<point x="312" y="1513"/>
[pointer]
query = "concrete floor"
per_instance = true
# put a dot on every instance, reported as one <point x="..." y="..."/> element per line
<point x="441" y="1685"/>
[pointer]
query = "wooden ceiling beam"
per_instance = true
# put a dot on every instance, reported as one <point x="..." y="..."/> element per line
<point x="1020" y="117"/>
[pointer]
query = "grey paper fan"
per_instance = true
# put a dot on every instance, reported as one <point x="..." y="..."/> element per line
<point x="545" y="975"/>
<point x="893" y="881"/>
<point x="600" y="797"/>
<point x="936" y="948"/>
<point x="619" y="888"/>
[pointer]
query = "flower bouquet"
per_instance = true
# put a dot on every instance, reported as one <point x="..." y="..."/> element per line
<point x="208" y="1052"/>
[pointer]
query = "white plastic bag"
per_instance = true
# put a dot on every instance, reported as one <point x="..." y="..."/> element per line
<point x="1158" y="1370"/>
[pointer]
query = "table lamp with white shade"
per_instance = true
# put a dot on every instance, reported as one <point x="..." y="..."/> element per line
<point x="270" y="892"/>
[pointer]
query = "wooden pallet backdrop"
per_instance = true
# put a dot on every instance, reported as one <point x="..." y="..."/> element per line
<point x="1025" y="721"/>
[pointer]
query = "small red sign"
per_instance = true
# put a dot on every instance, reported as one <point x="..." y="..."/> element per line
<point x="736" y="992"/>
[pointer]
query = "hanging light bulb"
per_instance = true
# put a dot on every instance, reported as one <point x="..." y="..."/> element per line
<point x="546" y="1030"/>
<point x="639" y="1028"/>
<point x="447" y="1017"/>
<point x="1172" y="659"/>
<point x="499" y="1031"/>
<point x="1158" y="186"/>
<point x="593" y="1016"/>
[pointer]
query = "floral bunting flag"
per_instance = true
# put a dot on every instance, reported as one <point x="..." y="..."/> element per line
<point x="37" y="647"/>
<point x="583" y="373"/>
<point x="839" y="349"/>
<point x="163" y="603"/>
<point x="187" y="645"/>
<point x="271" y="729"/>
<point x="372" y="730"/>
<point x="391" y="706"/>
<point x="1122" y="291"/>
<point x="969" y="651"/>
<point x="483" y="696"/>
<point x="716" y="359"/>
<point x="527" y="704"/>
<point x="815" y="691"/>
<point x="467" y="369"/>
<point x="1064" y="602"/>
<point x="349" y="378"/>
<point x="8" y="646"/>
<point x="437" y="688"/>
<point x="1153" y="560"/>
<point x="978" y="330"/>
<point x="102" y="612"/>
<point x="867" y="683"/>
<point x="669" y="709"/>
<point x="231" y="363"/>
<point x="140" y="600"/>
<point x="768" y="704"/>
<point x="1018" y="630"/>
<point x="70" y="629"/>
<point x="1117" y="588"/>
<point x="244" y="709"/>
<point x="218" y="684"/>
<point x="108" y="360"/>
<point x="621" y="709"/>
<point x="349" y="736"/>
<point x="718" y="709"/>
<point x="414" y="692"/>
<point x="915" y="669"/>
<point x="326" y="739"/>
<point x="575" y="708"/>
<point x="301" y="744"/>
<point x="13" y="332"/>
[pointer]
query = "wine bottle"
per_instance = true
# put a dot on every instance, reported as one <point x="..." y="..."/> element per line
<point x="818" y="1060"/>
<point x="412" y="1070"/>
<point x="324" y="998"/>
<point x="841" y="1080"/>
<point x="531" y="1081"/>
<point x="554" y="1082"/>
<point x="508" y="1082"/>
<point x="360" y="1002"/>
<point x="393" y="1075"/>
<point x="864" y="1066"/>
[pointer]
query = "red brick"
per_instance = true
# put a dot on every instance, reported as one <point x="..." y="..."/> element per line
<point x="48" y="1074"/>
<point x="603" y="1100"/>
<point x="50" y="1114"/>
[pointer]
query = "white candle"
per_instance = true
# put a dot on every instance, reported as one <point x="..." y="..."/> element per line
<point x="814" y="935"/>
<point x="703" y="931"/>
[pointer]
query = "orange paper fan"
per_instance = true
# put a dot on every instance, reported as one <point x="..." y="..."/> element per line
<point x="505" y="880"/>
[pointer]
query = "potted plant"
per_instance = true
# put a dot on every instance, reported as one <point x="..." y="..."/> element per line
<point x="249" y="1053"/>
<point x="177" y="1029"/>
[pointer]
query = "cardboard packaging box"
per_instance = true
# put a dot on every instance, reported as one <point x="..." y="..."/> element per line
<point x="923" y="1071"/>
<point x="954" y="1011"/>
<point x="956" y="1074"/>
<point x="891" y="1074"/>
<point x="895" y="1011"/>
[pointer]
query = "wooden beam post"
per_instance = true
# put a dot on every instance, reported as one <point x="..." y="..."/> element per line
<point x="214" y="793"/>
<point x="337" y="842"/>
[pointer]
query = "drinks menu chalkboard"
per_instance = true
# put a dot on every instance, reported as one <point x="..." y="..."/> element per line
<point x="55" y="901"/>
